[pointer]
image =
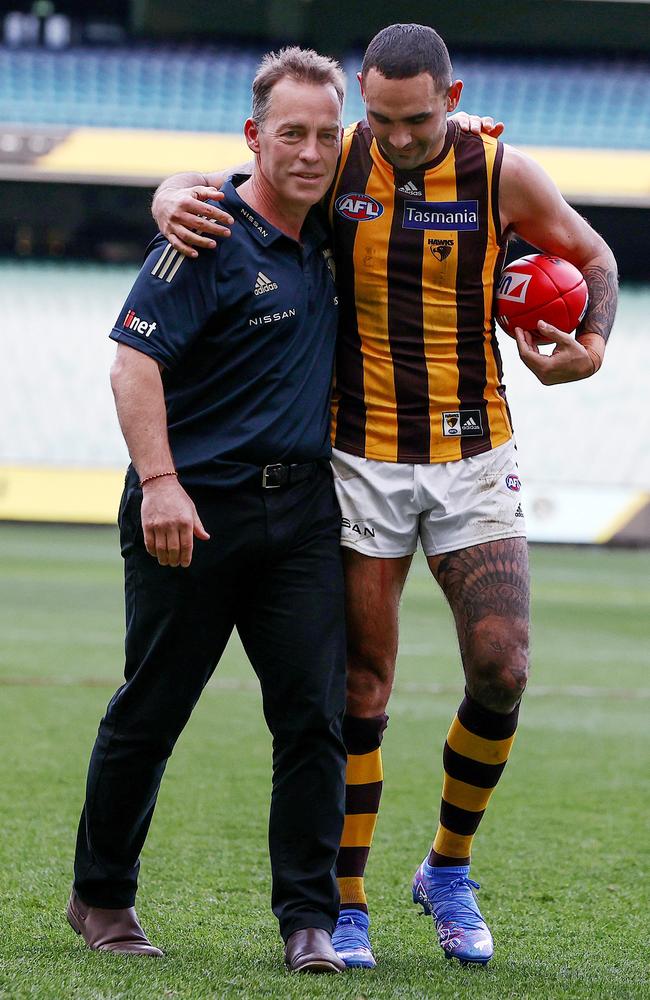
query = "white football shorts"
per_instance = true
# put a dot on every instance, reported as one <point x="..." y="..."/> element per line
<point x="387" y="506"/>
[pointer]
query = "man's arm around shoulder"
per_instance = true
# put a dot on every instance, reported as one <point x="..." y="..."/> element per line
<point x="182" y="215"/>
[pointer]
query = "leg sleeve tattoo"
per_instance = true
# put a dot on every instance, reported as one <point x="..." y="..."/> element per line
<point x="487" y="580"/>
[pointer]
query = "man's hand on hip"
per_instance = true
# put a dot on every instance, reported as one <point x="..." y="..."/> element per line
<point x="170" y="522"/>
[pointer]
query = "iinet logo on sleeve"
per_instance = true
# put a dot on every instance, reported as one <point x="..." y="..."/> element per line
<point x="137" y="325"/>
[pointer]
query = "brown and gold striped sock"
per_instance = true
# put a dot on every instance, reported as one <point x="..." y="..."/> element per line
<point x="476" y="750"/>
<point x="363" y="785"/>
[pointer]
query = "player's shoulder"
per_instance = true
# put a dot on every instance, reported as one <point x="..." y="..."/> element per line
<point x="519" y="168"/>
<point x="361" y="129"/>
<point x="163" y="263"/>
<point x="464" y="139"/>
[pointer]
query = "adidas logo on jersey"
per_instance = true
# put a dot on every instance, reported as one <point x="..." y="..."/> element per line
<point x="411" y="189"/>
<point x="465" y="424"/>
<point x="264" y="284"/>
<point x="519" y="512"/>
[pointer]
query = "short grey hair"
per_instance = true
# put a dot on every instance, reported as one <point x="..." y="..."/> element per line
<point x="294" y="63"/>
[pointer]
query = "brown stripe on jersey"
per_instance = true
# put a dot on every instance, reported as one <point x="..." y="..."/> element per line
<point x="351" y="412"/>
<point x="496" y="174"/>
<point x="498" y="265"/>
<point x="472" y="184"/>
<point x="406" y="333"/>
<point x="501" y="389"/>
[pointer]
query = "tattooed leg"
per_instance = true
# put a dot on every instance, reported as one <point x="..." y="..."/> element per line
<point x="487" y="589"/>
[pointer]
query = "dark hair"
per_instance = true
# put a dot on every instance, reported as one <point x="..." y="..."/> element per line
<point x="404" y="50"/>
<point x="303" y="65"/>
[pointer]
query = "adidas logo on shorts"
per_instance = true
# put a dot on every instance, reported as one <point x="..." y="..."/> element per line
<point x="264" y="284"/>
<point x="411" y="189"/>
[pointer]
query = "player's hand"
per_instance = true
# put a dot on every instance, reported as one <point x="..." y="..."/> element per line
<point x="170" y="522"/>
<point x="187" y="221"/>
<point x="569" y="362"/>
<point x="476" y="124"/>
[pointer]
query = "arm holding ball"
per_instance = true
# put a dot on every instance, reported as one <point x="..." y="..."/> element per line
<point x="532" y="207"/>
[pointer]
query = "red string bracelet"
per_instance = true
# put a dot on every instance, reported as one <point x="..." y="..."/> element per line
<point x="159" y="475"/>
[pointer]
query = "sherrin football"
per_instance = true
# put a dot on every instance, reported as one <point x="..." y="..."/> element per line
<point x="540" y="287"/>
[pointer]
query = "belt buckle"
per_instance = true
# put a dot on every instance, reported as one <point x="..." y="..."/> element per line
<point x="272" y="476"/>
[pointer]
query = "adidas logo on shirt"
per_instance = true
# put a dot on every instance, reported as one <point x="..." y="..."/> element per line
<point x="410" y="188"/>
<point x="466" y="424"/>
<point x="264" y="284"/>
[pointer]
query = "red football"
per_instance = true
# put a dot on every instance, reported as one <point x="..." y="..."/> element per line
<point x="540" y="287"/>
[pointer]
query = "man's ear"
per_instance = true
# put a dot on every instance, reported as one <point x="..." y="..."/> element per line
<point x="453" y="95"/>
<point x="360" y="79"/>
<point x="251" y="134"/>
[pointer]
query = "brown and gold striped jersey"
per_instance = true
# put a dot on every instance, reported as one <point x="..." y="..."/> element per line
<point x="418" y="374"/>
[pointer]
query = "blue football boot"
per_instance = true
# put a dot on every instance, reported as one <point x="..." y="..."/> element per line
<point x="446" y="895"/>
<point x="350" y="940"/>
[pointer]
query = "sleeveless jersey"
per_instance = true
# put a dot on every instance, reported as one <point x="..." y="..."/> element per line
<point x="418" y="373"/>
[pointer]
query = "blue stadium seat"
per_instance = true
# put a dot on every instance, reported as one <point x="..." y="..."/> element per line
<point x="584" y="102"/>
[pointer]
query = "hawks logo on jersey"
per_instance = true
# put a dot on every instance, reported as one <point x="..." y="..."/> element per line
<point x="440" y="248"/>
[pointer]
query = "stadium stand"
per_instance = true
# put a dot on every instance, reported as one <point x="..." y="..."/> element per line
<point x="57" y="371"/>
<point x="580" y="102"/>
<point x="131" y="115"/>
<point x="550" y="101"/>
<point x="55" y="400"/>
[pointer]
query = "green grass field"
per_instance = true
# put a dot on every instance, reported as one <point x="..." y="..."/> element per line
<point x="562" y="853"/>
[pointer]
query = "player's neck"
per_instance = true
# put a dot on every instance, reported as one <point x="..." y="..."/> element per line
<point x="261" y="197"/>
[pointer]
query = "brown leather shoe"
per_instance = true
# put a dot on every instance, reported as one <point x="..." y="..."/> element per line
<point x="310" y="950"/>
<point x="109" y="930"/>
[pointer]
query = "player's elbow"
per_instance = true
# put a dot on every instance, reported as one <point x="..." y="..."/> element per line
<point x="132" y="367"/>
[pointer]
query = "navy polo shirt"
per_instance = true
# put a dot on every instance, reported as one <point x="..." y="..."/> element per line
<point x="246" y="336"/>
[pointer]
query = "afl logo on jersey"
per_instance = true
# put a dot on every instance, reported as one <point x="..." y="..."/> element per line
<point x="513" y="482"/>
<point x="359" y="207"/>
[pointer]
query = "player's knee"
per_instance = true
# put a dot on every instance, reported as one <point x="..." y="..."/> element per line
<point x="370" y="679"/>
<point x="497" y="664"/>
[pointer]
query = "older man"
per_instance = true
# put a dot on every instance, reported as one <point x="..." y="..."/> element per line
<point x="229" y="520"/>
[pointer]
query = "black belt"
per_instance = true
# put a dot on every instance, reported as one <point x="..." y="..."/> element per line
<point x="274" y="476"/>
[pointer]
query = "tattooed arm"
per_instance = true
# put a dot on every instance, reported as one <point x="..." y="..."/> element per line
<point x="532" y="206"/>
<point x="602" y="282"/>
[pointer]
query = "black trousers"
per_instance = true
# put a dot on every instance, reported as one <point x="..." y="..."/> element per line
<point x="272" y="570"/>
